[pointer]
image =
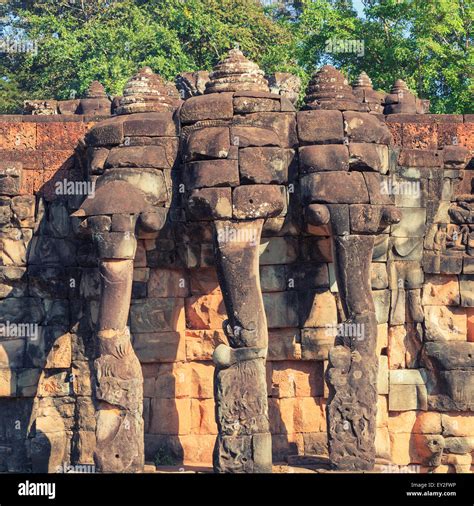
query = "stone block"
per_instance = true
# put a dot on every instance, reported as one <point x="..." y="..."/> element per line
<point x="203" y="417"/>
<point x="28" y="382"/>
<point x="317" y="309"/>
<point x="382" y="339"/>
<point x="139" y="156"/>
<point x="205" y="312"/>
<point x="441" y="291"/>
<point x="382" y="378"/>
<point x="8" y="382"/>
<point x="308" y="415"/>
<point x="457" y="425"/>
<point x="445" y="324"/>
<point x="334" y="188"/>
<point x="278" y="250"/>
<point x="170" y="416"/>
<point x="200" y="344"/>
<point x="281" y="309"/>
<point x="202" y="380"/>
<point x="420" y="158"/>
<point x="407" y="397"/>
<point x="247" y="136"/>
<point x="283" y="125"/>
<point x="197" y="450"/>
<point x="273" y="278"/>
<point x="211" y="173"/>
<point x="210" y="142"/>
<point x="382" y="443"/>
<point x="378" y="276"/>
<point x="320" y="127"/>
<point x="304" y="276"/>
<point x="167" y="283"/>
<point x="317" y="249"/>
<point x="466" y="283"/>
<point x="412" y="223"/>
<point x="296" y="379"/>
<point x="363" y="127"/>
<point x="169" y="381"/>
<point x="368" y="157"/>
<point x="107" y="132"/>
<point x="365" y="218"/>
<point x="284" y="344"/>
<point x="382" y="305"/>
<point x="263" y="165"/>
<point x="60" y="354"/>
<point x="160" y="347"/>
<point x="207" y="107"/>
<point x="246" y="105"/>
<point x="210" y="203"/>
<point x="157" y="315"/>
<point x="150" y="124"/>
<point x="316" y="343"/>
<point x="257" y="201"/>
<point x="382" y="411"/>
<point x="12" y="353"/>
<point x="323" y="158"/>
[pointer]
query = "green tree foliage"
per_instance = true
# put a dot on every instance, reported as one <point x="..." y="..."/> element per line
<point x="426" y="42"/>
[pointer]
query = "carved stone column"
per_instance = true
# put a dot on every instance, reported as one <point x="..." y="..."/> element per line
<point x="236" y="166"/>
<point x="343" y="152"/>
<point x="130" y="158"/>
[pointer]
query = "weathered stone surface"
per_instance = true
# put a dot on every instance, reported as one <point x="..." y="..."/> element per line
<point x="247" y="104"/>
<point x="283" y="125"/>
<point x="263" y="165"/>
<point x="139" y="156"/>
<point x="334" y="188"/>
<point x="321" y="158"/>
<point x="445" y="324"/>
<point x="206" y="107"/>
<point x="209" y="142"/>
<point x="257" y="201"/>
<point x="466" y="284"/>
<point x="363" y="127"/>
<point x="320" y="127"/>
<point x="364" y="156"/>
<point x="210" y="173"/>
<point x="107" y="132"/>
<point x="245" y="136"/>
<point x="281" y="308"/>
<point x="160" y="347"/>
<point x="450" y="356"/>
<point x="157" y="315"/>
<point x="210" y="203"/>
<point x="419" y="158"/>
<point x="278" y="250"/>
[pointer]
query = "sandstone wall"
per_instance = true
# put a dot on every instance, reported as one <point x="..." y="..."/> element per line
<point x="48" y="277"/>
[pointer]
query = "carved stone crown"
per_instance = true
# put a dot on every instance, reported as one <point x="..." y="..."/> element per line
<point x="95" y="90"/>
<point x="399" y="85"/>
<point x="328" y="85"/>
<point x="363" y="81"/>
<point x="146" y="92"/>
<point x="236" y="73"/>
